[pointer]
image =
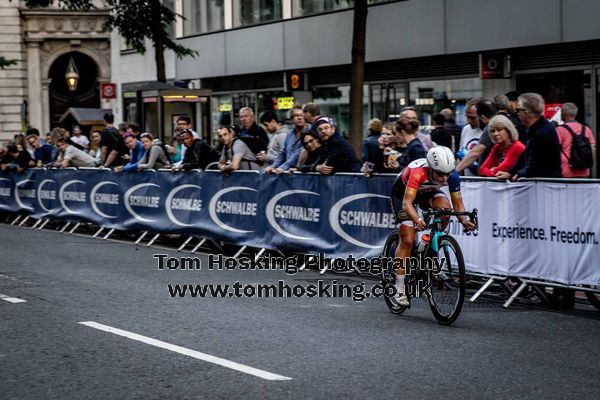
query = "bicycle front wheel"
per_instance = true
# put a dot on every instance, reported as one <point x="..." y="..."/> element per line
<point x="447" y="278"/>
<point x="388" y="276"/>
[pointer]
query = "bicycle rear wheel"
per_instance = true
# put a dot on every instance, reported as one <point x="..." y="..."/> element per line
<point x="447" y="292"/>
<point x="388" y="276"/>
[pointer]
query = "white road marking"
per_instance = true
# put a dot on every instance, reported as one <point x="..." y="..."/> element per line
<point x="191" y="353"/>
<point x="13" y="300"/>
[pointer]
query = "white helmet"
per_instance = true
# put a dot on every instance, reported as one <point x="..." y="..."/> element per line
<point x="441" y="159"/>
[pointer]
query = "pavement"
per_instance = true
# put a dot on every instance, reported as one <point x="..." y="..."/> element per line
<point x="139" y="342"/>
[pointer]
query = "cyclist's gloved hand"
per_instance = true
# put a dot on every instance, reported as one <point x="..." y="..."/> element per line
<point x="468" y="225"/>
<point x="420" y="224"/>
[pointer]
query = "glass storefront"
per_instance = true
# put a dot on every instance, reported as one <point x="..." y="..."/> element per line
<point x="561" y="87"/>
<point x="387" y="100"/>
<point x="430" y="97"/>
<point x="202" y="16"/>
<point x="335" y="103"/>
<point x="250" y="12"/>
<point x="381" y="100"/>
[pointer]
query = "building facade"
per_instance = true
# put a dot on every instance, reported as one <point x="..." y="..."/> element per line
<point x="34" y="92"/>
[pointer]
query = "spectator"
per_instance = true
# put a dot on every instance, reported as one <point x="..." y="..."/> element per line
<point x="72" y="156"/>
<point x="502" y="103"/>
<point x="42" y="153"/>
<point x="112" y="144"/>
<point x="411" y="113"/>
<point x="249" y="127"/>
<point x="513" y="102"/>
<point x="406" y="132"/>
<point x="337" y="154"/>
<point x="439" y="135"/>
<point x="565" y="138"/>
<point x="451" y="127"/>
<point x="289" y="154"/>
<point x="95" y="149"/>
<point x="155" y="156"/>
<point x="185" y="123"/>
<point x="136" y="154"/>
<point x="469" y="136"/>
<point x="175" y="149"/>
<point x="21" y="143"/>
<point x="277" y="133"/>
<point x="15" y="159"/>
<point x="370" y="150"/>
<point x="56" y="134"/>
<point x="236" y="155"/>
<point x="312" y="112"/>
<point x="507" y="148"/>
<point x="478" y="153"/>
<point x="542" y="153"/>
<point x="134" y="129"/>
<point x="198" y="154"/>
<point x="80" y="139"/>
<point x="391" y="149"/>
<point x="311" y="153"/>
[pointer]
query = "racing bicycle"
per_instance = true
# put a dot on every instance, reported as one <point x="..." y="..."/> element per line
<point x="442" y="282"/>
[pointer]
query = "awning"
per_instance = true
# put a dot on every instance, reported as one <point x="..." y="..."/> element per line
<point x="86" y="116"/>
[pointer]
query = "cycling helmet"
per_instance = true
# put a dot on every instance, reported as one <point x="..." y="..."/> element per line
<point x="441" y="159"/>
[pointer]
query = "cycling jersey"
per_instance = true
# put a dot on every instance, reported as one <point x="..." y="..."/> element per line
<point x="416" y="176"/>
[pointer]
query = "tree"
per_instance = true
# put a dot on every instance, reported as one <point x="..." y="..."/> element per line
<point x="136" y="21"/>
<point x="359" y="33"/>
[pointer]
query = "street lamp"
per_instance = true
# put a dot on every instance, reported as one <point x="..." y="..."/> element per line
<point x="72" y="76"/>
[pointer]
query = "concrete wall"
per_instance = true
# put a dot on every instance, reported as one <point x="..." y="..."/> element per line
<point x="13" y="83"/>
<point x="394" y="30"/>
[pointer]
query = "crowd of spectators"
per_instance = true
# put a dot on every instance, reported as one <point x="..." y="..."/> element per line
<point x="506" y="138"/>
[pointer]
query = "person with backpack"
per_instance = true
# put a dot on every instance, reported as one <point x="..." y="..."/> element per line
<point x="112" y="144"/>
<point x="198" y="154"/>
<point x="578" y="146"/>
<point x="236" y="155"/>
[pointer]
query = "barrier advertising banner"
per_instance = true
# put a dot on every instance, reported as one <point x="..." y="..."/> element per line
<point x="531" y="229"/>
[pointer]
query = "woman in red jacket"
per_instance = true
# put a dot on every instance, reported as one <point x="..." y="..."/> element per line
<point x="505" y="153"/>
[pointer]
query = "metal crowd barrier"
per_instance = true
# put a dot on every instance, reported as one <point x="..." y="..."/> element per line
<point x="489" y="279"/>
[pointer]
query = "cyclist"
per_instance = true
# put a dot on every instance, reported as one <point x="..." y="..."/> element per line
<point x="419" y="184"/>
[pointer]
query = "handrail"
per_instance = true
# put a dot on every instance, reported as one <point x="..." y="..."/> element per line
<point x="462" y="178"/>
<point x="560" y="180"/>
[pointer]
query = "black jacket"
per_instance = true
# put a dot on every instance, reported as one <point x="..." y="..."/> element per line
<point x="256" y="131"/>
<point x="198" y="156"/>
<point x="542" y="154"/>
<point x="340" y="155"/>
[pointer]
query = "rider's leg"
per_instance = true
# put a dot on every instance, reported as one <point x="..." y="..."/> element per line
<point x="439" y="202"/>
<point x="407" y="238"/>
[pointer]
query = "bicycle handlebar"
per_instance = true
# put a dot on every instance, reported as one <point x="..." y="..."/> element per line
<point x="427" y="215"/>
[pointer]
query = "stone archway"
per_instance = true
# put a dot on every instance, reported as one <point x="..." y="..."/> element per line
<point x="50" y="34"/>
<point x="60" y="97"/>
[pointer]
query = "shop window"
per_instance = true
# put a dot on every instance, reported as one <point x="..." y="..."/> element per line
<point x="387" y="100"/>
<point x="334" y="102"/>
<point x="202" y="16"/>
<point x="250" y="12"/>
<point x="310" y="7"/>
<point x="281" y="102"/>
<point x="430" y="97"/>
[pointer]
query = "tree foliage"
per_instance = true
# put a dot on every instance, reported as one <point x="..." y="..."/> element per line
<point x="5" y="63"/>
